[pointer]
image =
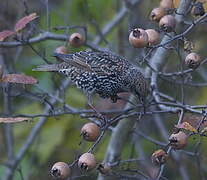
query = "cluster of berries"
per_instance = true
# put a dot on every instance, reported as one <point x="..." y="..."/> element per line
<point x="140" y="38"/>
<point x="87" y="161"/>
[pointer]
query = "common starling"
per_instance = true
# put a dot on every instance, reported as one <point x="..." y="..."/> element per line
<point x="100" y="72"/>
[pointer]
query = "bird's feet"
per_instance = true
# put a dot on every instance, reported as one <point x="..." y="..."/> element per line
<point x="114" y="98"/>
<point x="100" y="116"/>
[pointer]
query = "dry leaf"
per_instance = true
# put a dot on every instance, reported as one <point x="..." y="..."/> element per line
<point x="13" y="120"/>
<point x="186" y="126"/>
<point x="204" y="4"/>
<point x="159" y="157"/>
<point x="5" y="34"/>
<point x="24" y="21"/>
<point x="204" y="130"/>
<point x="188" y="46"/>
<point x="159" y="152"/>
<point x="18" y="78"/>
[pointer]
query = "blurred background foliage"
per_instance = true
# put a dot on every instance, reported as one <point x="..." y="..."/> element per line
<point x="59" y="139"/>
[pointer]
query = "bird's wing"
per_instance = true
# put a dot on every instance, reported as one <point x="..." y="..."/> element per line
<point x="103" y="63"/>
<point x="73" y="61"/>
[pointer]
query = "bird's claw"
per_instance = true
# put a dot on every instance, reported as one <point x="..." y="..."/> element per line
<point x="114" y="99"/>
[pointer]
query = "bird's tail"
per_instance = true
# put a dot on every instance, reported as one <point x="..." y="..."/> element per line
<point x="46" y="67"/>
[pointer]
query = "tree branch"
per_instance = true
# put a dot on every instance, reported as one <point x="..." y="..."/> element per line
<point x="13" y="164"/>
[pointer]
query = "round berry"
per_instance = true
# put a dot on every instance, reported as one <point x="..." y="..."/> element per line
<point x="138" y="38"/>
<point x="60" y="170"/>
<point x="153" y="36"/>
<point x="198" y="9"/>
<point x="157" y="14"/>
<point x="61" y="50"/>
<point x="193" y="60"/>
<point x="90" y="131"/>
<point x="76" y="40"/>
<point x="178" y="140"/>
<point x="87" y="162"/>
<point x="159" y="157"/>
<point x="167" y="4"/>
<point x="167" y="23"/>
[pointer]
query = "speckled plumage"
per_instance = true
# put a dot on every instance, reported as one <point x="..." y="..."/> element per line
<point x="100" y="72"/>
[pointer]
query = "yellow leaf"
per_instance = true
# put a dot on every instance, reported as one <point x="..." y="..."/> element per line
<point x="176" y="3"/>
<point x="186" y="126"/>
<point x="204" y="130"/>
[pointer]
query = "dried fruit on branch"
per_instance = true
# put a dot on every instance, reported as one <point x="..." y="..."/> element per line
<point x="87" y="162"/>
<point x="159" y="157"/>
<point x="138" y="38"/>
<point x="167" y="23"/>
<point x="178" y="140"/>
<point x="157" y="14"/>
<point x="193" y="60"/>
<point x="76" y="40"/>
<point x="153" y="36"/>
<point x="90" y="131"/>
<point x="60" y="170"/>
